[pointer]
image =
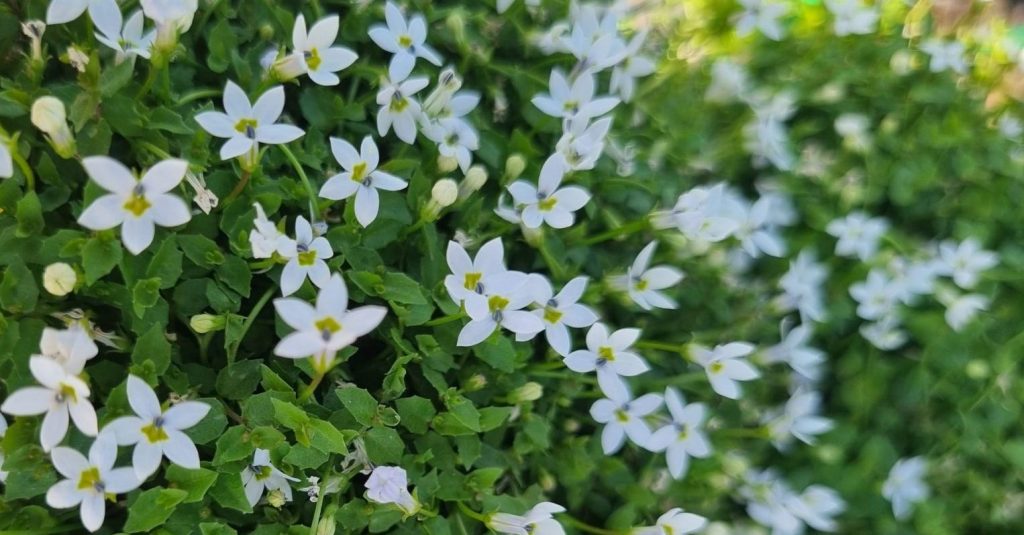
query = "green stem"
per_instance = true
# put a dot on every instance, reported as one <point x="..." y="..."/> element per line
<point x="316" y="515"/>
<point x="154" y="69"/>
<point x="246" y="175"/>
<point x="155" y="150"/>
<point x="204" y="347"/>
<point x="756" y="432"/>
<point x="661" y="346"/>
<point x="628" y="228"/>
<point x="583" y="526"/>
<point x="198" y="94"/>
<point x="308" y="390"/>
<point x="233" y="351"/>
<point x="302" y="175"/>
<point x="26" y="169"/>
<point x="471" y="513"/>
<point x="446" y="319"/>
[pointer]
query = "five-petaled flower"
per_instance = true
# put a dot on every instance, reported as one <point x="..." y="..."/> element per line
<point x="307" y="257"/>
<point x="644" y="283"/>
<point x="609" y="356"/>
<point x="316" y="51"/>
<point x="360" y="178"/>
<point x="405" y="39"/>
<point x="623" y="417"/>
<point x="684" y="437"/>
<point x="536" y="521"/>
<point x="725" y="365"/>
<point x="246" y="125"/>
<point x="547" y="203"/>
<point x="89" y="481"/>
<point x="60" y="395"/>
<point x="261" y="474"/>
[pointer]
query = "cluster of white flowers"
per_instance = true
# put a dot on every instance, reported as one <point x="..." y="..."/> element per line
<point x="773" y="504"/>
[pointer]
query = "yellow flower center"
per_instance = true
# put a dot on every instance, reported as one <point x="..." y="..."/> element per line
<point x="684" y="432"/>
<point x="137" y="204"/>
<point x="640" y="285"/>
<point x="154" y="433"/>
<point x="262" y="472"/>
<point x="470" y="280"/>
<point x="307" y="258"/>
<point x="552" y="315"/>
<point x="89" y="479"/>
<point x="359" y="172"/>
<point x="716" y="367"/>
<point x="669" y="530"/>
<point x="621" y="415"/>
<point x="606" y="353"/>
<point x="405" y="41"/>
<point x="313" y="59"/>
<point x="497" y="303"/>
<point x="327" y="324"/>
<point x="398" y="103"/>
<point x="571" y="106"/>
<point x="67" y="393"/>
<point x="547" y="204"/>
<point x="245" y="124"/>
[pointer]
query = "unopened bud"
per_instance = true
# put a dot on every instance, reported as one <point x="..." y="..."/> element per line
<point x="446" y="164"/>
<point x="34" y="29"/>
<point x="475" y="382"/>
<point x="327" y="524"/>
<point x="529" y="392"/>
<point x="207" y="323"/>
<point x="448" y="82"/>
<point x="444" y="194"/>
<point x="276" y="498"/>
<point x="475" y="179"/>
<point x="59" y="279"/>
<point x="514" y="166"/>
<point x="48" y="115"/>
<point x="78" y="59"/>
<point x="457" y="25"/>
<point x="547" y="481"/>
<point x="267" y="32"/>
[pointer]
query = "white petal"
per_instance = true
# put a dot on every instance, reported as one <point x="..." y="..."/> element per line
<point x="217" y="124"/>
<point x="519" y="321"/>
<point x="678" y="461"/>
<point x="62" y="11"/>
<point x="93" y="511"/>
<point x="336" y="58"/>
<point x="613" y="386"/>
<point x="662" y="277"/>
<point x="362" y="320"/>
<point x="253" y="491"/>
<point x="581" y="361"/>
<point x="28" y="401"/>
<point x="558" y="338"/>
<point x="275" y="134"/>
<point x="297" y="313"/>
<point x="125" y="430"/>
<point x="612" y="438"/>
<point x="121" y="480"/>
<point x="70" y="463"/>
<point x="476" y="331"/>
<point x="387" y="182"/>
<point x="367" y="205"/>
<point x="345" y="153"/>
<point x="55" y="426"/>
<point x="324" y="32"/>
<point x="64" y="494"/>
<point x="236" y="103"/>
<point x="236" y="146"/>
<point x="269" y="106"/>
<point x="292" y="277"/>
<point x="185" y="414"/>
<point x="146" y="459"/>
<point x="628" y="364"/>
<point x="333" y="298"/>
<point x="84" y="416"/>
<point x="104" y="213"/>
<point x="180" y="450"/>
<point x="338" y="187"/>
<point x="299" y="344"/>
<point x="164" y="176"/>
<point x="169" y="210"/>
<point x="623" y="339"/>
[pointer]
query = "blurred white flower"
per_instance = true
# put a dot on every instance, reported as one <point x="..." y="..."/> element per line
<point x="802" y="287"/>
<point x="965" y="261"/>
<point x="763" y="16"/>
<point x="573" y="99"/>
<point x="698" y="214"/>
<point x="946" y="55"/>
<point x="264" y="238"/>
<point x="644" y="283"/>
<point x="797" y="419"/>
<point x="905" y="486"/>
<point x="633" y="65"/>
<point x="858" y="234"/>
<point x="963" y="308"/>
<point x="885" y="334"/>
<point x="725" y="366"/>
<point x="794" y="350"/>
<point x="852" y="17"/>
<point x="71" y="347"/>
<point x="817" y="506"/>
<point x="876" y="297"/>
<point x="609" y="355"/>
<point x="684" y="437"/>
<point x="582" y="143"/>
<point x="674" y="522"/>
<point x="624" y="416"/>
<point x="729" y="82"/>
<point x="853" y="128"/>
<point x="360" y="178"/>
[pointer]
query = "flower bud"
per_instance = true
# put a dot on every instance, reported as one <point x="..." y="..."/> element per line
<point x="207" y="323"/>
<point x="78" y="59"/>
<point x="327" y="524"/>
<point x="34" y="29"/>
<point x="514" y="166"/>
<point x="444" y="192"/>
<point x="59" y="279"/>
<point x="457" y="25"/>
<point x="276" y="498"/>
<point x="528" y="392"/>
<point x="475" y="382"/>
<point x="287" y="67"/>
<point x="48" y="115"/>
<point x="266" y="31"/>
<point x="548" y="483"/>
<point x="475" y="179"/>
<point x="446" y="164"/>
<point x="448" y="82"/>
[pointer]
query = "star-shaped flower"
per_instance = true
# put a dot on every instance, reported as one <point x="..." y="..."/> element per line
<point x="245" y="125"/>
<point x="360" y="178"/>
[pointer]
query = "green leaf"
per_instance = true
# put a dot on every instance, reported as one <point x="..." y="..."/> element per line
<point x="497" y="351"/>
<point x="239" y="380"/>
<point x="166" y="263"/>
<point x="221" y="42"/>
<point x="154" y="348"/>
<point x="233" y="445"/>
<point x="359" y="403"/>
<point x="152" y="508"/>
<point x="99" y="256"/>
<point x="229" y="492"/>
<point x="116" y="77"/>
<point x="29" y="215"/>
<point x="416" y="413"/>
<point x="194" y="482"/>
<point x="326" y="437"/>
<point x="201" y="250"/>
<point x="18" y="290"/>
<point x="235" y="274"/>
<point x="384" y="446"/>
<point x="209" y="528"/>
<point x="144" y="295"/>
<point x="400" y="288"/>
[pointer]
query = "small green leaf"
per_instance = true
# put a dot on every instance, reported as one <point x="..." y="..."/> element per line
<point x="153" y="347"/>
<point x="359" y="403"/>
<point x="152" y="508"/>
<point x="99" y="256"/>
<point x="29" y="215"/>
<point x="195" y="482"/>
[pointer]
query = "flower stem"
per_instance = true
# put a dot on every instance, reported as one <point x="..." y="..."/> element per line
<point x="239" y="187"/>
<point x="756" y="432"/>
<point x="302" y="175"/>
<point x="308" y="390"/>
<point x="316" y="515"/>
<point x="628" y="228"/>
<point x="26" y="169"/>
<point x="198" y="94"/>
<point x="471" y="513"/>
<point x="583" y="526"/>
<point x="661" y="346"/>
<point x="155" y="150"/>
<point x="233" y="350"/>
<point x="446" y="319"/>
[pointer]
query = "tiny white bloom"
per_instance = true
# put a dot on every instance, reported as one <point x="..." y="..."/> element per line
<point x="547" y="202"/>
<point x="698" y="214"/>
<point x="389" y="484"/>
<point x="754" y="230"/>
<point x="536" y="521"/>
<point x="70" y="348"/>
<point x="644" y="283"/>
<point x="360" y="178"/>
<point x="307" y="257"/>
<point x="853" y="127"/>
<point x="406" y="39"/>
<point x="762" y="15"/>
<point x="795" y="350"/>
<point x="322" y="330"/>
<point x="624" y="416"/>
<point x="684" y="437"/>
<point x="609" y="356"/>
<point x="797" y="419"/>
<point x="313" y="489"/>
<point x="858" y="234"/>
<point x="507" y="294"/>
<point x="125" y="38"/>
<point x="473" y="276"/>
<point x="674" y="522"/>
<point x="260" y="474"/>
<point x="89" y="481"/>
<point x="875" y="296"/>
<point x="816" y="506"/>
<point x="155" y="432"/>
<point x="455" y="138"/>
<point x="138" y="205"/>
<point x="582" y="143"/>
<point x="905" y="486"/>
<point x="561" y="311"/>
<point x="725" y="366"/>
<point x="802" y="287"/>
<point x="503" y="5"/>
<point x="60" y="395"/>
<point x="729" y="82"/>
<point x="962" y="309"/>
<point x="247" y="125"/>
<point x="885" y="334"/>
<point x="852" y="17"/>
<point x="575" y="101"/>
<point x="264" y="238"/>
<point x="965" y="261"/>
<point x="633" y="66"/>
<point x="317" y="52"/>
<point x="946" y="55"/>
<point x="398" y="108"/>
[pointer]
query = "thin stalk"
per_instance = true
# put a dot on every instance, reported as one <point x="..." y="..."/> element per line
<point x="316" y="515"/>
<point x="198" y="94"/>
<point x="26" y="169"/>
<point x="239" y="187"/>
<point x="629" y="228"/>
<point x="471" y="513"/>
<point x="661" y="346"/>
<point x="308" y="390"/>
<point x="446" y="319"/>
<point x="233" y="351"/>
<point x="302" y="176"/>
<point x="583" y="526"/>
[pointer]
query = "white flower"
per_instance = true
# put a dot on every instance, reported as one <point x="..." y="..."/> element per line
<point x="62" y="11"/>
<point x="307" y="257"/>
<point x="265" y="239"/>
<point x="70" y="348"/>
<point x="261" y="474"/>
<point x="172" y="17"/>
<point x="313" y="489"/>
<point x="698" y="215"/>
<point x="1009" y="126"/>
<point x="547" y="203"/>
<point x="795" y="350"/>
<point x="858" y="234"/>
<point x="962" y="309"/>
<point x="507" y="293"/>
<point x="852" y="17"/>
<point x="885" y="334"/>
<point x="125" y="38"/>
<point x="397" y="107"/>
<point x="360" y="178"/>
<point x="389" y="484"/>
<point x="767" y="497"/>
<point x="405" y="39"/>
<point x="245" y="126"/>
<point x="135" y="204"/>
<point x="59" y="279"/>
<point x="609" y="356"/>
<point x="799" y="418"/>
<point x="6" y="161"/>
<point x="913" y="278"/>
<point x="322" y="330"/>
<point x="965" y="261"/>
<point x="576" y="101"/>
<point x="644" y="284"/>
<point x="674" y="522"/>
<point x="946" y="55"/>
<point x="473" y="277"/>
<point x="816" y="506"/>
<point x="684" y="437"/>
<point x="561" y="311"/>
<point x="455" y="138"/>
<point x="853" y="127"/>
<point x="536" y="521"/>
<point x="729" y="82"/>
<point x="61" y="394"/>
<point x="762" y="15"/>
<point x="503" y="5"/>
<point x="633" y="66"/>
<point x="582" y="143"/>
<point x="802" y="285"/>
<point x="624" y="416"/>
<point x="768" y="142"/>
<point x="725" y="366"/>
<point x="316" y="52"/>
<point x="155" y="432"/>
<point x="594" y="39"/>
<point x="905" y="486"/>
<point x="876" y="296"/>
<point x="89" y="481"/>
<point x="754" y="229"/>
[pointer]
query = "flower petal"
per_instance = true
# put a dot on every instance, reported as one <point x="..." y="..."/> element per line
<point x="269" y="106"/>
<point x="104" y="213"/>
<point x="69" y="462"/>
<point x="164" y="176"/>
<point x="186" y="414"/>
<point x="217" y="124"/>
<point x="180" y="450"/>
